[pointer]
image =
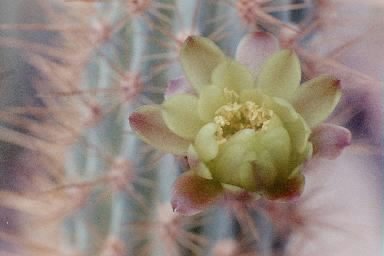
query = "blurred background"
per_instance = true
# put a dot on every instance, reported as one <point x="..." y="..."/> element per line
<point x="74" y="180"/>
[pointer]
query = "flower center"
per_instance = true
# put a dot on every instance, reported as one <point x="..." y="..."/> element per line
<point x="236" y="116"/>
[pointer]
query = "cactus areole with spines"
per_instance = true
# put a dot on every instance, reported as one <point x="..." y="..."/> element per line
<point x="245" y="125"/>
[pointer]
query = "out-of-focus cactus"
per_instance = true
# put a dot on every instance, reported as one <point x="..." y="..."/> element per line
<point x="96" y="189"/>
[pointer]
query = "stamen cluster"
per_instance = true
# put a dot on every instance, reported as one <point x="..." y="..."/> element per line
<point x="236" y="116"/>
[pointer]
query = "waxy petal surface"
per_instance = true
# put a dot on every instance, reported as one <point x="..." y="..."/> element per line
<point x="233" y="76"/>
<point x="233" y="165"/>
<point x="211" y="98"/>
<point x="329" y="140"/>
<point x="191" y="194"/>
<point x="263" y="175"/>
<point x="180" y="115"/>
<point x="205" y="143"/>
<point x="280" y="75"/>
<point x="254" y="49"/>
<point x="292" y="121"/>
<point x="288" y="188"/>
<point x="277" y="142"/>
<point x="148" y="123"/>
<point x="253" y="95"/>
<point x="199" y="57"/>
<point x="316" y="99"/>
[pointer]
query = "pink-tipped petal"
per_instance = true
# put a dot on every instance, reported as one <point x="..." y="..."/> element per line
<point x="255" y="48"/>
<point x="178" y="86"/>
<point x="181" y="116"/>
<point x="199" y="56"/>
<point x="287" y="190"/>
<point x="316" y="99"/>
<point x="192" y="194"/>
<point x="148" y="123"/>
<point x="280" y="75"/>
<point x="329" y="140"/>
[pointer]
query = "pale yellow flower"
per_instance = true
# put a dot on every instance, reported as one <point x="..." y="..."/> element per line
<point x="248" y="125"/>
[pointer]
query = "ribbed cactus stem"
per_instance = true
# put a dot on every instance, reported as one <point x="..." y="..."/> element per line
<point x="220" y="227"/>
<point x="81" y="232"/>
<point x="228" y="20"/>
<point x="120" y="206"/>
<point x="139" y="44"/>
<point x="187" y="11"/>
<point x="168" y="171"/>
<point x="119" y="214"/>
<point x="93" y="164"/>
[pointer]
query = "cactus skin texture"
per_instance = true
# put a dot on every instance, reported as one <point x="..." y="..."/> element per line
<point x="87" y="185"/>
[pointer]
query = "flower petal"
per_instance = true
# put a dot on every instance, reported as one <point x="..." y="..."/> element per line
<point x="199" y="57"/>
<point x="288" y="188"/>
<point x="280" y="75"/>
<point x="192" y="157"/>
<point x="196" y="164"/>
<point x="299" y="133"/>
<point x="148" y="123"/>
<point x="292" y="121"/>
<point x="191" y="194"/>
<point x="233" y="164"/>
<point x="234" y="167"/>
<point x="180" y="115"/>
<point x="254" y="49"/>
<point x="177" y="86"/>
<point x="264" y="175"/>
<point x="305" y="155"/>
<point x="253" y="95"/>
<point x="316" y="99"/>
<point x="283" y="108"/>
<point x="211" y="98"/>
<point x="277" y="143"/>
<point x="233" y="76"/>
<point x="329" y="140"/>
<point x="205" y="143"/>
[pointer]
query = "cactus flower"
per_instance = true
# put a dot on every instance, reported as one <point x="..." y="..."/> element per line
<point x="245" y="125"/>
